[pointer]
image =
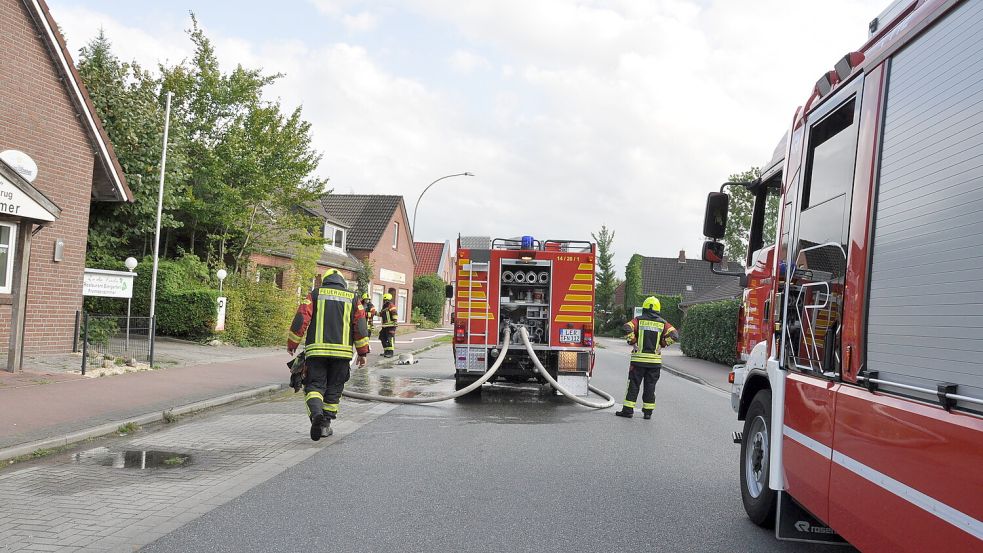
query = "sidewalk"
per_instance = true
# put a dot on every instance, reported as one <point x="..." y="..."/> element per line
<point x="36" y="406"/>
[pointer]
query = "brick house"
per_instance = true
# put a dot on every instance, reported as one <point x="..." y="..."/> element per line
<point x="378" y="231"/>
<point x="436" y="258"/>
<point x="58" y="159"/>
<point x="276" y="263"/>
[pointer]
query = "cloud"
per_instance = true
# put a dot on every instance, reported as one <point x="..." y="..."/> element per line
<point x="468" y="62"/>
<point x="617" y="112"/>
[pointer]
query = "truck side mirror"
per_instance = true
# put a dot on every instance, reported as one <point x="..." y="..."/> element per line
<point x="449" y="291"/>
<point x="713" y="252"/>
<point x="715" y="217"/>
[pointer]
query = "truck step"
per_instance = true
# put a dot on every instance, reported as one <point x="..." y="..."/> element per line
<point x="738" y="437"/>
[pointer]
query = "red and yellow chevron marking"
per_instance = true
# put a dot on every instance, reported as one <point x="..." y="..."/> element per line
<point x="477" y="315"/>
<point x="581" y="287"/>
<point x="471" y="294"/>
<point x="470" y="284"/>
<point x="585" y="267"/>
<point x="584" y="276"/>
<point x="463" y="262"/>
<point x="473" y="305"/>
<point x="578" y="297"/>
<point x="576" y="308"/>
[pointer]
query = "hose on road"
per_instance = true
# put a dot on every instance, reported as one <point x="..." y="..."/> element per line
<point x="524" y="336"/>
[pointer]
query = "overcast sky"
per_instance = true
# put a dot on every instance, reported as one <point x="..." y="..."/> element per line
<point x="572" y="113"/>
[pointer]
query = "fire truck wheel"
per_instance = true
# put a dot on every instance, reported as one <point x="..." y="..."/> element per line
<point x="759" y="500"/>
<point x="461" y="382"/>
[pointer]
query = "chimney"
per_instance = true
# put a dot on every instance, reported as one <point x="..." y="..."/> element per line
<point x="682" y="256"/>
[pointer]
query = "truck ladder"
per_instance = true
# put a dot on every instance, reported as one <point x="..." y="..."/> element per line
<point x="472" y="269"/>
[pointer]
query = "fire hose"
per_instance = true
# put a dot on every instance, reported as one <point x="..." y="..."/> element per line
<point x="524" y="336"/>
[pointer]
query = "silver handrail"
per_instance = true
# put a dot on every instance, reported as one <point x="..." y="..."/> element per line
<point x="956" y="397"/>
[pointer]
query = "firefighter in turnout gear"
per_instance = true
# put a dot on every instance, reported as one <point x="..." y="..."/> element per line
<point x="389" y="323"/>
<point x="649" y="334"/>
<point x="370" y="312"/>
<point x="331" y="323"/>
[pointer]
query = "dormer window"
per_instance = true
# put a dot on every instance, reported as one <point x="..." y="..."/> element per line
<point x="334" y="238"/>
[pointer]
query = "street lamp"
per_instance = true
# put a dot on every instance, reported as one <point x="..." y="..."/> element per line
<point x="221" y="274"/>
<point x="130" y="263"/>
<point x="417" y="206"/>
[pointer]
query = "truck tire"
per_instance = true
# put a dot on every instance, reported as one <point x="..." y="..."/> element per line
<point x="461" y="382"/>
<point x="759" y="500"/>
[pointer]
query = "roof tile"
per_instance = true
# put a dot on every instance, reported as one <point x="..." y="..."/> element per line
<point x="367" y="215"/>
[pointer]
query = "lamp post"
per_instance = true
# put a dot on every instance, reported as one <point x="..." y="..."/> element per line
<point x="221" y="274"/>
<point x="417" y="206"/>
<point x="131" y="263"/>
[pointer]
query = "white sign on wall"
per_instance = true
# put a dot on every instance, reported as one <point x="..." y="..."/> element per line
<point x="18" y="204"/>
<point x="107" y="284"/>
<point x="220" y="316"/>
<point x="392" y="276"/>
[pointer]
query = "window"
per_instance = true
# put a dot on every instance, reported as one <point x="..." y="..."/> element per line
<point x="334" y="237"/>
<point x="8" y="232"/>
<point x="377" y="292"/>
<point x="395" y="236"/>
<point x="832" y="153"/>
<point x="401" y="305"/>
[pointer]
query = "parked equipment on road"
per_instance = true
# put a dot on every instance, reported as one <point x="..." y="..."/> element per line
<point x="545" y="288"/>
<point x="862" y="386"/>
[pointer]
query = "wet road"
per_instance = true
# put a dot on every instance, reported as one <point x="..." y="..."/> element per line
<point x="512" y="472"/>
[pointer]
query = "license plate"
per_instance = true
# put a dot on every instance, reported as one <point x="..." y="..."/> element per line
<point x="569" y="335"/>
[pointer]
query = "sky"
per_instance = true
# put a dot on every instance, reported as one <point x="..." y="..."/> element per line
<point x="572" y="114"/>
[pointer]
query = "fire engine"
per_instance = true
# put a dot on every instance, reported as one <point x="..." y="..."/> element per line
<point x="545" y="287"/>
<point x="861" y="329"/>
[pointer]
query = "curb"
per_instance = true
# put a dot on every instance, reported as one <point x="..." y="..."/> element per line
<point x="147" y="418"/>
<point x="691" y="378"/>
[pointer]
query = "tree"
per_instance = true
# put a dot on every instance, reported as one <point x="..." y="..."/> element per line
<point x="633" y="284"/>
<point x="128" y="100"/>
<point x="739" y="217"/>
<point x="428" y="296"/>
<point x="605" y="275"/>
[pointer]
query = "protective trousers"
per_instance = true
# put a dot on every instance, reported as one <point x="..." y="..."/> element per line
<point x="387" y="335"/>
<point x="326" y="377"/>
<point x="642" y="377"/>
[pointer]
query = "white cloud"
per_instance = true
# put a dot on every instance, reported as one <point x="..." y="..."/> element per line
<point x="468" y="62"/>
<point x="360" y="22"/>
<point x="621" y="112"/>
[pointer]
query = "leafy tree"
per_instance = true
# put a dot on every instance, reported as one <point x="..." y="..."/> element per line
<point x="128" y="100"/>
<point x="633" y="283"/>
<point x="739" y="217"/>
<point x="606" y="276"/>
<point x="428" y="296"/>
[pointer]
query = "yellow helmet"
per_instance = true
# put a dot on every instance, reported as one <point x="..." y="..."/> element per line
<point x="387" y="297"/>
<point x="330" y="272"/>
<point x="652" y="303"/>
<point x="365" y="296"/>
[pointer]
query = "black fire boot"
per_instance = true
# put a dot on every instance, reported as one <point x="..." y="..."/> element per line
<point x="626" y="412"/>
<point x="317" y="421"/>
<point x="646" y="414"/>
<point x="326" y="428"/>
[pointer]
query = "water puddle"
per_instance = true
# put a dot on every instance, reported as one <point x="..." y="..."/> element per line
<point x="393" y="386"/>
<point x="140" y="459"/>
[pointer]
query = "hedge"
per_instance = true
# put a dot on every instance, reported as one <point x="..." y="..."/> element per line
<point x="710" y="331"/>
<point x="257" y="313"/>
<point x="186" y="302"/>
<point x="428" y="296"/>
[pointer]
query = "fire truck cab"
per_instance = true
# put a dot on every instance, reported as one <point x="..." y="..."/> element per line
<point x="861" y="328"/>
<point x="546" y="287"/>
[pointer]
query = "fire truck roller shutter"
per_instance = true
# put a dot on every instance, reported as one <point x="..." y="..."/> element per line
<point x="925" y="322"/>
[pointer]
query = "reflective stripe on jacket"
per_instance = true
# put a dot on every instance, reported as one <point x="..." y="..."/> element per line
<point x="650" y="333"/>
<point x="389" y="315"/>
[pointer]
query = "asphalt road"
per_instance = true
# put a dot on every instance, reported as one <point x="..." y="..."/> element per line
<point x="513" y="472"/>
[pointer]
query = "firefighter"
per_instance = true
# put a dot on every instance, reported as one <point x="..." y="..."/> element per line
<point x="370" y="312"/>
<point x="331" y="323"/>
<point x="649" y="333"/>
<point x="389" y="323"/>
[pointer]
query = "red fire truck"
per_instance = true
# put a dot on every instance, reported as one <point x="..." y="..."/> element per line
<point x="546" y="287"/>
<point x="861" y="329"/>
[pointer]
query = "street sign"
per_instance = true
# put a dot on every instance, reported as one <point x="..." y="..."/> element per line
<point x="107" y="284"/>
<point x="220" y="316"/>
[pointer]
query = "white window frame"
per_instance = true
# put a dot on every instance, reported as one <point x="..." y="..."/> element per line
<point x="11" y="251"/>
<point x="395" y="235"/>
<point x="403" y="295"/>
<point x="328" y="233"/>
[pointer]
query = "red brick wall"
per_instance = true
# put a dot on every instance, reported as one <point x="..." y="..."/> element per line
<point x="399" y="260"/>
<point x="37" y="116"/>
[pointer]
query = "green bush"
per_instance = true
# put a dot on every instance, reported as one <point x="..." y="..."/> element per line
<point x="422" y="321"/>
<point x="428" y="296"/>
<point x="710" y="331"/>
<point x="257" y="313"/>
<point x="100" y="331"/>
<point x="670" y="310"/>
<point x="183" y="288"/>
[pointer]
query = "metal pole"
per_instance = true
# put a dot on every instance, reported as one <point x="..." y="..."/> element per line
<point x="417" y="206"/>
<point x="160" y="208"/>
<point x="126" y="345"/>
<point x="85" y="341"/>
